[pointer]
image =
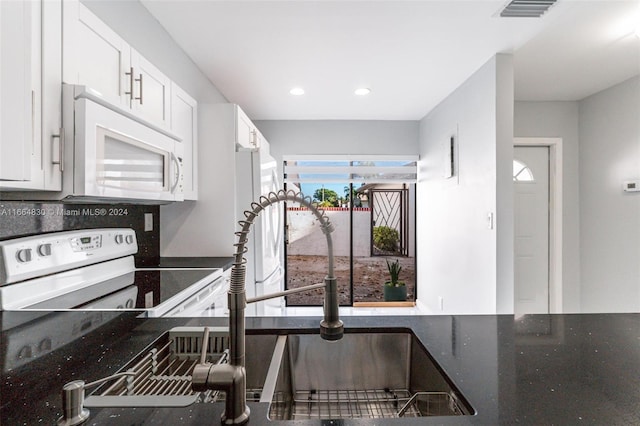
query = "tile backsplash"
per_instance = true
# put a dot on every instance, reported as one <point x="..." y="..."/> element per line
<point x="18" y="219"/>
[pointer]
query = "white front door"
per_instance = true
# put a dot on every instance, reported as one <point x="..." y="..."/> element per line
<point x="531" y="208"/>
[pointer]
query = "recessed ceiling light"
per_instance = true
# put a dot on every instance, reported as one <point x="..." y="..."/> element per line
<point x="362" y="91"/>
<point x="297" y="91"/>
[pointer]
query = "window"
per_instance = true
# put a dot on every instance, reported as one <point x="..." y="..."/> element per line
<point x="370" y="201"/>
<point x="350" y="169"/>
<point x="521" y="172"/>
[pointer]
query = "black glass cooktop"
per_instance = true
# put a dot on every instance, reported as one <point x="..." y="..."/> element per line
<point x="135" y="290"/>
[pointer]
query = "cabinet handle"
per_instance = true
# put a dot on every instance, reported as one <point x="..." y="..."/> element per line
<point x="140" y="81"/>
<point x="130" y="92"/>
<point x="254" y="139"/>
<point x="61" y="138"/>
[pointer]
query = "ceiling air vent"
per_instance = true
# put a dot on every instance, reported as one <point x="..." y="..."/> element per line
<point x="526" y="8"/>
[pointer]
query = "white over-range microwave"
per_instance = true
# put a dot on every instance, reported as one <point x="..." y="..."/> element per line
<point x="114" y="156"/>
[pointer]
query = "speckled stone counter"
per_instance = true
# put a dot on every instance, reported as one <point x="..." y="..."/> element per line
<point x="542" y="369"/>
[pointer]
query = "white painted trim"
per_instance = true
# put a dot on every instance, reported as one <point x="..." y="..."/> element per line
<point x="555" y="216"/>
<point x="423" y="309"/>
<point x="349" y="157"/>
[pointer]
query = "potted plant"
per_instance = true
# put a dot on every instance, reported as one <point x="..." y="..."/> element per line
<point x="394" y="289"/>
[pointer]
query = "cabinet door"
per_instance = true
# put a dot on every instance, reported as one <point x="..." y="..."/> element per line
<point x="184" y="123"/>
<point x="152" y="91"/>
<point x="260" y="140"/>
<point x="246" y="133"/>
<point x="44" y="144"/>
<point x="52" y="136"/>
<point x="95" y="56"/>
<point x="16" y="97"/>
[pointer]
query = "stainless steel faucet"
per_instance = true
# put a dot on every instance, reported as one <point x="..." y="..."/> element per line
<point x="231" y="378"/>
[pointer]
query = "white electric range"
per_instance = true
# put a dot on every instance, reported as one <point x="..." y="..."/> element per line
<point x="94" y="269"/>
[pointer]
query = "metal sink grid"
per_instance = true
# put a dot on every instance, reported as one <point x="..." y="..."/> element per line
<point x="361" y="404"/>
<point x="162" y="374"/>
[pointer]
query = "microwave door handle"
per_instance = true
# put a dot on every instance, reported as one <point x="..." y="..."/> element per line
<point x="178" y="172"/>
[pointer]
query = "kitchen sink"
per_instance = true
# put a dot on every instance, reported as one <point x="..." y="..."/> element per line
<point x="382" y="374"/>
<point x="363" y="375"/>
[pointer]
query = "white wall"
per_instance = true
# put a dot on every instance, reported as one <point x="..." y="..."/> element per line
<point x="132" y="21"/>
<point x="206" y="227"/>
<point x="610" y="218"/>
<point x="457" y="252"/>
<point x="560" y="119"/>
<point x="296" y="137"/>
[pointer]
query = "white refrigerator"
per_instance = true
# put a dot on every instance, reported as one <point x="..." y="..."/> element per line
<point x="256" y="175"/>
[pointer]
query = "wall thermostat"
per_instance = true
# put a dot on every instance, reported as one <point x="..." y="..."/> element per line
<point x="631" y="186"/>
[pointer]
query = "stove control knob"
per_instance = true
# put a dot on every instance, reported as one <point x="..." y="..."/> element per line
<point x="24" y="255"/>
<point x="44" y="249"/>
<point x="119" y="239"/>
<point x="129" y="239"/>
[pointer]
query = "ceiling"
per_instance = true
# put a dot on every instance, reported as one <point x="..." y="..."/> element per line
<point x="411" y="54"/>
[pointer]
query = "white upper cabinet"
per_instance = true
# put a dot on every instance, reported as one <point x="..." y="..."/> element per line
<point x="247" y="135"/>
<point x="94" y="55"/>
<point x="151" y="91"/>
<point x="184" y="123"/>
<point x="16" y="95"/>
<point x="31" y="141"/>
<point x="235" y="125"/>
<point x="97" y="57"/>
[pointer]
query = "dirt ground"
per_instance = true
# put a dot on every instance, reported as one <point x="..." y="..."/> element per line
<point x="369" y="275"/>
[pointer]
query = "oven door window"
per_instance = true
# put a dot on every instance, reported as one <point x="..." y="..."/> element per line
<point x="127" y="163"/>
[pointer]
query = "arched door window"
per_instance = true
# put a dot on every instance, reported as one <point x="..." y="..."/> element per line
<point x="521" y="172"/>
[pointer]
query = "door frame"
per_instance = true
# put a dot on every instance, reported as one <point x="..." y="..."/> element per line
<point x="555" y="215"/>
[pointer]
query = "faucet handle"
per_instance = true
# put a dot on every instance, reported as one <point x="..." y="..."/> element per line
<point x="201" y="370"/>
<point x="205" y="346"/>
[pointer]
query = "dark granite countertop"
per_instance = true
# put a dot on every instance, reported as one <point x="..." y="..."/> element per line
<point x="196" y="262"/>
<point x="540" y="369"/>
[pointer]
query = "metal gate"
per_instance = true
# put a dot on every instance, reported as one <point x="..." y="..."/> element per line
<point x="389" y="222"/>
